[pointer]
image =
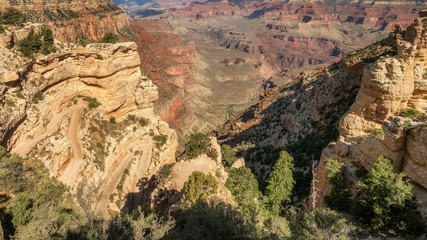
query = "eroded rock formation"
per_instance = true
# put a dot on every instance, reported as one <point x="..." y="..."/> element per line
<point x="87" y="114"/>
<point x="373" y="126"/>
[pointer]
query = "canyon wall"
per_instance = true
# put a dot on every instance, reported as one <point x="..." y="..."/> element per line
<point x="87" y="114"/>
<point x="376" y="124"/>
<point x="73" y="20"/>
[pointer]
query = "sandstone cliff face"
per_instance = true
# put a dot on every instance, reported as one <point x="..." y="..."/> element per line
<point x="71" y="20"/>
<point x="87" y="114"/>
<point x="373" y="128"/>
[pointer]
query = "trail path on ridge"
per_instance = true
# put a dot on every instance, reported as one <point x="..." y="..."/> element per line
<point x="113" y="178"/>
<point x="24" y="147"/>
<point x="71" y="171"/>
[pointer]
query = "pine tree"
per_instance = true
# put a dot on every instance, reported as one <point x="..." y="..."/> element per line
<point x="280" y="183"/>
<point x="383" y="192"/>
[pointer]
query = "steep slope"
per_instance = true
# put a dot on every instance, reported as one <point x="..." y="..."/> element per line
<point x="73" y="20"/>
<point x="87" y="114"/>
<point x="301" y="116"/>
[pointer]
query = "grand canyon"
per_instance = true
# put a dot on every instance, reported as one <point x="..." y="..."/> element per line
<point x="166" y="119"/>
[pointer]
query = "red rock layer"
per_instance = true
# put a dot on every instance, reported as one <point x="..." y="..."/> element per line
<point x="168" y="61"/>
<point x="364" y="13"/>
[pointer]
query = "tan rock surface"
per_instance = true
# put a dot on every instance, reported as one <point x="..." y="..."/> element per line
<point x="102" y="150"/>
<point x="389" y="86"/>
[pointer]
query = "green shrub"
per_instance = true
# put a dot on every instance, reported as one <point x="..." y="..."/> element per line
<point x="322" y="224"/>
<point x="38" y="97"/>
<point x="110" y="38"/>
<point x="13" y="172"/>
<point x="19" y="94"/>
<point x="389" y="75"/>
<point x="334" y="167"/>
<point x="33" y="43"/>
<point x="136" y="225"/>
<point x="213" y="220"/>
<point x="410" y="113"/>
<point x="132" y="118"/>
<point x="199" y="186"/>
<point x="228" y="155"/>
<point x="377" y="133"/>
<point x="21" y="209"/>
<point x="143" y="122"/>
<point x="93" y="103"/>
<point x="2" y="30"/>
<point x="13" y="16"/>
<point x="198" y="144"/>
<point x="112" y="120"/>
<point x="407" y="124"/>
<point x="160" y="140"/>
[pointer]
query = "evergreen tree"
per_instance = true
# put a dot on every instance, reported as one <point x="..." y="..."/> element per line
<point x="280" y="183"/>
<point x="244" y="187"/>
<point x="228" y="155"/>
<point x="198" y="144"/>
<point x="199" y="186"/>
<point x="383" y="192"/>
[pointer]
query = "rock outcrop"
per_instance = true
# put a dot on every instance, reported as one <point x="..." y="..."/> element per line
<point x="391" y="86"/>
<point x="87" y="114"/>
<point x="164" y="192"/>
<point x="73" y="20"/>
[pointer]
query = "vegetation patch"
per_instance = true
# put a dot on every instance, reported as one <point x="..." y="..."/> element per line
<point x="160" y="140"/>
<point x="93" y="103"/>
<point x="110" y="38"/>
<point x="33" y="43"/>
<point x="198" y="144"/>
<point x="228" y="155"/>
<point x="280" y="183"/>
<point x="199" y="186"/>
<point x="12" y="16"/>
<point x="38" y="97"/>
<point x="377" y="133"/>
<point x="244" y="187"/>
<point x="410" y="113"/>
<point x="371" y="53"/>
<point x="385" y="200"/>
<point x="339" y="197"/>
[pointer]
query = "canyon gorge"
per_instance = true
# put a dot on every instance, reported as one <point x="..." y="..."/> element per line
<point x="250" y="46"/>
<point x="211" y="119"/>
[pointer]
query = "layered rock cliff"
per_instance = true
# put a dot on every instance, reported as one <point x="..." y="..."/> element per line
<point x="87" y="114"/>
<point x="388" y="117"/>
<point x="73" y="20"/>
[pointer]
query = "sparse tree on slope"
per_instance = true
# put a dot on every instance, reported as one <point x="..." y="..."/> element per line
<point x="280" y="183"/>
